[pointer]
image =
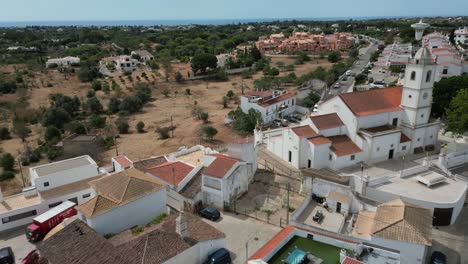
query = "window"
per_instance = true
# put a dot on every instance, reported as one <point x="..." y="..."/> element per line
<point x="419" y="139"/>
<point x="18" y="216"/>
<point x="428" y="76"/>
<point x="86" y="195"/>
<point x="422" y="115"/>
<point x="46" y="184"/>
<point x="403" y="148"/>
<point x="425" y="95"/>
<point x="289" y="156"/>
<point x="353" y="157"/>
<point x="395" y="122"/>
<point x="309" y="164"/>
<point x="444" y="71"/>
<point x="413" y="75"/>
<point x="391" y="145"/>
<point x="378" y="148"/>
<point x="330" y="157"/>
<point x="410" y="96"/>
<point x="54" y="204"/>
<point x="74" y="200"/>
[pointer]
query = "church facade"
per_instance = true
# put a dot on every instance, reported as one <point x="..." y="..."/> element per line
<point x="368" y="126"/>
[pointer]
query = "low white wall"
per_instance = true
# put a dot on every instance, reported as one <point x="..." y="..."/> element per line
<point x="453" y="159"/>
<point x="414" y="170"/>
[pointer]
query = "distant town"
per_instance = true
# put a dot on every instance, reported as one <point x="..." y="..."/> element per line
<point x="338" y="141"/>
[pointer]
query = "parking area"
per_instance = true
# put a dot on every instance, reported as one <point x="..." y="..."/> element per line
<point x="244" y="233"/>
<point x="16" y="239"/>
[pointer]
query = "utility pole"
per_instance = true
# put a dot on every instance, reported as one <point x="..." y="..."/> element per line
<point x="287" y="208"/>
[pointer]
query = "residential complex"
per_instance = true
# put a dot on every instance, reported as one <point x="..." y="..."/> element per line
<point x="304" y="41"/>
<point x="271" y="104"/>
<point x="461" y="36"/>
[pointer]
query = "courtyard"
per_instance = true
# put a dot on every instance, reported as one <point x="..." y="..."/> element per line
<point x="327" y="253"/>
<point x="331" y="221"/>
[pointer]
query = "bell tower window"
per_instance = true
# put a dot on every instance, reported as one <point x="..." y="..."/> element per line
<point x="428" y="76"/>
<point x="413" y="75"/>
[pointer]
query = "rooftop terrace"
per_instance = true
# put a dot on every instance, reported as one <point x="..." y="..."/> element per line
<point x="63" y="165"/>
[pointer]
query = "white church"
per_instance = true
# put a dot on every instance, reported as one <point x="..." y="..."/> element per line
<point x="368" y="126"/>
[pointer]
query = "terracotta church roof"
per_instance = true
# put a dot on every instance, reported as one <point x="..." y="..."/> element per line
<point x="373" y="101"/>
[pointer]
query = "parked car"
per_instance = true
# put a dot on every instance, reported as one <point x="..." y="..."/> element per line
<point x="344" y="79"/>
<point x="210" y="213"/>
<point x="348" y="73"/>
<point x="336" y="86"/>
<point x="438" y="257"/>
<point x="220" y="256"/>
<point x="7" y="256"/>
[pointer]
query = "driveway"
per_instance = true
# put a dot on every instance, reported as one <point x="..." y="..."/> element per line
<point x="16" y="239"/>
<point x="239" y="230"/>
<point x="453" y="240"/>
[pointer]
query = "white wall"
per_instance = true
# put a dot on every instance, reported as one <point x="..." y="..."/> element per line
<point x="40" y="208"/>
<point x="138" y="212"/>
<point x="409" y="253"/>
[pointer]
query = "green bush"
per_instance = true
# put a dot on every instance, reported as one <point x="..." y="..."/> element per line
<point x="158" y="219"/>
<point x="163" y="132"/>
<point x="122" y="126"/>
<point x="97" y="85"/>
<point x="7" y="175"/>
<point x="52" y="134"/>
<point x="137" y="230"/>
<point x="7" y="162"/>
<point x="4" y="133"/>
<point x="140" y="127"/>
<point x="97" y="121"/>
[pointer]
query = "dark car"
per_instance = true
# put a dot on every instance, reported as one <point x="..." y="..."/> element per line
<point x="438" y="257"/>
<point x="7" y="256"/>
<point x="210" y="213"/>
<point x="220" y="256"/>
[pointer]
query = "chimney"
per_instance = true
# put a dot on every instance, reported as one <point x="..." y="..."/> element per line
<point x="182" y="225"/>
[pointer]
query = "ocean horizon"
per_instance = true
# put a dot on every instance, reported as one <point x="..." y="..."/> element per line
<point x="176" y="22"/>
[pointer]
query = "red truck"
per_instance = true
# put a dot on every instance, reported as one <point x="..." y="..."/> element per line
<point x="43" y="223"/>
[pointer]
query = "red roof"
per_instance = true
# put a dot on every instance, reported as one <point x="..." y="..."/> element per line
<point x="319" y="140"/>
<point x="273" y="243"/>
<point x="171" y="172"/>
<point x="304" y="131"/>
<point x="123" y="161"/>
<point x="343" y="145"/>
<point x="373" y="101"/>
<point x="327" y="121"/>
<point x="278" y="99"/>
<point x="220" y="166"/>
<point x="404" y="138"/>
<point x="349" y="260"/>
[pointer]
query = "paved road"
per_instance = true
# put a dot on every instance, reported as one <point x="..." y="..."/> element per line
<point x="241" y="229"/>
<point x="16" y="239"/>
<point x="358" y="66"/>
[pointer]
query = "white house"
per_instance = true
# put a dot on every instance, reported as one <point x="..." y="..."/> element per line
<point x="368" y="126"/>
<point x="126" y="63"/>
<point x="226" y="177"/>
<point x="400" y="226"/>
<point x="51" y="184"/>
<point x="461" y="36"/>
<point x="145" y="56"/>
<point x="125" y="199"/>
<point x="62" y="62"/>
<point x="272" y="104"/>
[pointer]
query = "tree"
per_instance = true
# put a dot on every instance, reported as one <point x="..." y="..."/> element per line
<point x="94" y="105"/>
<point x="334" y="56"/>
<point x="69" y="104"/>
<point x="245" y="122"/>
<point x="140" y="127"/>
<point x="7" y="162"/>
<point x="457" y="116"/>
<point x="178" y="77"/>
<point x="225" y="101"/>
<point x="230" y="94"/>
<point x="122" y="126"/>
<point x="203" y="61"/>
<point x="163" y="132"/>
<point x="55" y="116"/>
<point x="78" y="128"/>
<point x="143" y="92"/>
<point x="311" y="99"/>
<point x="114" y="104"/>
<point x="204" y="117"/>
<point x="209" y="132"/>
<point x="21" y="129"/>
<point x="88" y="73"/>
<point x="97" y="121"/>
<point x="97" y="86"/>
<point x="52" y="135"/>
<point x="166" y="92"/>
<point x="4" y="133"/>
<point x="131" y="104"/>
<point x="188" y="91"/>
<point x="255" y="53"/>
<point x="444" y="91"/>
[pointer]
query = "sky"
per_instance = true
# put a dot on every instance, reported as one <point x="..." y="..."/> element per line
<point x="85" y="10"/>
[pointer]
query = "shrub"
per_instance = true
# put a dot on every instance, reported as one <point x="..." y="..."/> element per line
<point x="90" y="93"/>
<point x="7" y="162"/>
<point x="208" y="132"/>
<point x="137" y="230"/>
<point x="122" y="126"/>
<point x="97" y="86"/>
<point x="7" y="175"/>
<point x="140" y="127"/>
<point x="52" y="134"/>
<point x="230" y="94"/>
<point x="4" y="133"/>
<point x="334" y="56"/>
<point x="165" y="92"/>
<point x="163" y="132"/>
<point x="188" y="92"/>
<point x="94" y="105"/>
<point x="131" y="104"/>
<point x="158" y="219"/>
<point x="78" y="128"/>
<point x="178" y="77"/>
<point x="97" y="121"/>
<point x="114" y="104"/>
<point x="225" y="101"/>
<point x="204" y="117"/>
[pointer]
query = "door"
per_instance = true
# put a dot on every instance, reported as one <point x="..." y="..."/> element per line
<point x="338" y="207"/>
<point x="395" y="122"/>
<point x="390" y="154"/>
<point x="442" y="216"/>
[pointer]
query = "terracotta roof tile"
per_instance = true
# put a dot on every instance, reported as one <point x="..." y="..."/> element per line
<point x="327" y="121"/>
<point x="273" y="243"/>
<point x="220" y="166"/>
<point x="349" y="260"/>
<point x="404" y="138"/>
<point x="198" y="230"/>
<point x="123" y="161"/>
<point x="373" y="101"/>
<point x="278" y="99"/>
<point x="343" y="145"/>
<point x="319" y="140"/>
<point x="304" y="131"/>
<point x="171" y="172"/>
<point x="119" y="189"/>
<point x="145" y="164"/>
